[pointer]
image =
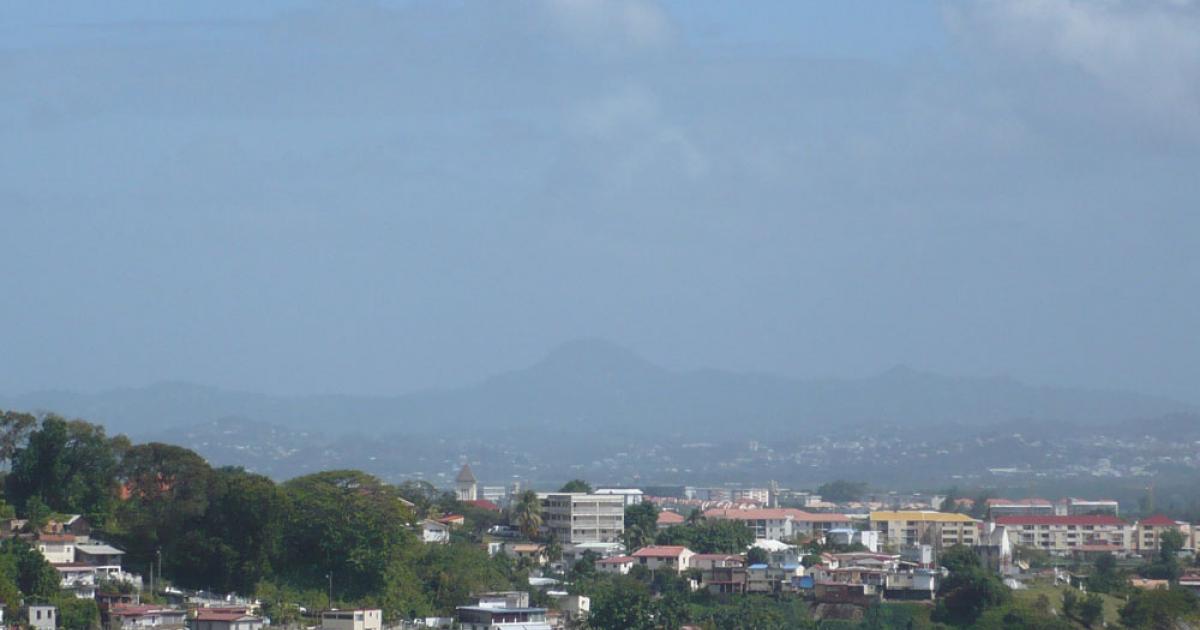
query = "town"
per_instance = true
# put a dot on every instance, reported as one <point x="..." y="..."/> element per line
<point x="162" y="540"/>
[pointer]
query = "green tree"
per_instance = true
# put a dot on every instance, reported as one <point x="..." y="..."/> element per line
<point x="716" y="536"/>
<point x="75" y="613"/>
<point x="527" y="513"/>
<point x="1160" y="608"/>
<point x="1105" y="577"/>
<point x="969" y="590"/>
<point x="28" y="569"/>
<point x="841" y="490"/>
<point x="641" y="524"/>
<point x="451" y="573"/>
<point x="622" y="603"/>
<point x="1091" y="611"/>
<point x="37" y="514"/>
<point x="757" y="555"/>
<point x="71" y="465"/>
<point x="14" y="428"/>
<point x="576" y="485"/>
<point x="347" y="523"/>
<point x="1070" y="602"/>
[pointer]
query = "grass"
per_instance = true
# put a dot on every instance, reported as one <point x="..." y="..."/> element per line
<point x="1054" y="593"/>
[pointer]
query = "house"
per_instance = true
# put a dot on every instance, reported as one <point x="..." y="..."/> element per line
<point x="205" y="619"/>
<point x="1064" y="533"/>
<point x="42" y="617"/>
<point x="453" y="520"/>
<point x="616" y="564"/>
<point x="847" y="536"/>
<point x="1191" y="582"/>
<point x="709" y="561"/>
<point x="134" y="616"/>
<point x="917" y="584"/>
<point x="905" y="528"/>
<point x="578" y="517"/>
<point x="98" y="554"/>
<point x="724" y="579"/>
<point x="466" y="486"/>
<point x="434" y="532"/>
<point x="779" y="553"/>
<point x="533" y="552"/>
<point x="501" y="618"/>
<point x="358" y="619"/>
<point x="664" y="557"/>
<point x="667" y="519"/>
<point x="995" y="548"/>
<point x="573" y="553"/>
<point x="1149" y="531"/>
<point x="57" y="548"/>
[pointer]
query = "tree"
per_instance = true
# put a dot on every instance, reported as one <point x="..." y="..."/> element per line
<point x="37" y="514"/>
<point x="1091" y="611"/>
<point x="584" y="569"/>
<point x="1105" y="578"/>
<point x="969" y="590"/>
<point x="28" y="569"/>
<point x="74" y="613"/>
<point x="71" y="465"/>
<point x="757" y="555"/>
<point x="527" y="513"/>
<point x="576" y="485"/>
<point x="622" y="604"/>
<point x="14" y="428"/>
<point x="168" y="489"/>
<point x="1160" y="608"/>
<point x="1070" y="602"/>
<point x="641" y="524"/>
<point x="347" y="523"/>
<point x="719" y="536"/>
<point x="841" y="490"/>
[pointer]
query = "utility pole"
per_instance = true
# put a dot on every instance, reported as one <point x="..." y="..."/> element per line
<point x="330" y="576"/>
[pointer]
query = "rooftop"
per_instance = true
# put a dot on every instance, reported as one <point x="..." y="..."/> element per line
<point x="660" y="551"/>
<point x="923" y="516"/>
<point x="1088" y="519"/>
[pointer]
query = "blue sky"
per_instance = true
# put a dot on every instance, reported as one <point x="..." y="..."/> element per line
<point x="378" y="197"/>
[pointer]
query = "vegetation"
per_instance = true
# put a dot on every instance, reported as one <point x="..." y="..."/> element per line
<point x="576" y="485"/>
<point x="841" y="490"/>
<point x="717" y="536"/>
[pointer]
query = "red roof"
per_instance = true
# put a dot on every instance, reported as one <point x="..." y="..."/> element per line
<point x="1158" y="520"/>
<point x="660" y="551"/>
<point x="1088" y="519"/>
<point x="670" y="518"/>
<point x="61" y="538"/>
<point x="616" y="560"/>
<point x="484" y="504"/>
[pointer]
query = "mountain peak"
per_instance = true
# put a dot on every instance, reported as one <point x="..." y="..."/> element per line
<point x="594" y="354"/>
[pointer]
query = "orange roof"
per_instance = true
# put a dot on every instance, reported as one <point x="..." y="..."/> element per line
<point x="63" y="538"/>
<point x="670" y="518"/>
<point x="616" y="560"/>
<point x="766" y="514"/>
<point x="660" y="551"/>
<point x="1158" y="520"/>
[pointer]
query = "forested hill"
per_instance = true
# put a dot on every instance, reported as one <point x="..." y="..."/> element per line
<point x="587" y="384"/>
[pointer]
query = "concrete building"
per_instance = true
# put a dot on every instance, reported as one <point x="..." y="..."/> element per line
<point x="1148" y="532"/>
<point x="1072" y="506"/>
<point x="1019" y="507"/>
<point x="359" y="619"/>
<point x="1064" y="533"/>
<point x="618" y="565"/>
<point x="501" y="618"/>
<point x="849" y="536"/>
<point x="134" y="616"/>
<point x="224" y="620"/>
<point x="632" y="496"/>
<point x="466" y="485"/>
<point x="939" y="529"/>
<point x="576" y="517"/>
<point x="781" y="523"/>
<point x="665" y="557"/>
<point x="42" y="617"/>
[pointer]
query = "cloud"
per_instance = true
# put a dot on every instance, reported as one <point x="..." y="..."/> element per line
<point x="1142" y="58"/>
<point x="613" y="24"/>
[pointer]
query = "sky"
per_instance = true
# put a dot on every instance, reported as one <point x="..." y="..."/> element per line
<point x="297" y="197"/>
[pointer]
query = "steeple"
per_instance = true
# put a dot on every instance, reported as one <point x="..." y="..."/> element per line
<point x="465" y="484"/>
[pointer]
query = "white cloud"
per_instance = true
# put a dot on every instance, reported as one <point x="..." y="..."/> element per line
<point x="1143" y="54"/>
<point x="613" y="24"/>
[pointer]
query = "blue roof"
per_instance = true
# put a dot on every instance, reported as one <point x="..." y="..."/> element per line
<point x="758" y="566"/>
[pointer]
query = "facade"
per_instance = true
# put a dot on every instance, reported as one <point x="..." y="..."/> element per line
<point x="133" y="616"/>
<point x="1065" y="533"/>
<point x="781" y="523"/>
<point x="57" y="548"/>
<point x="938" y="529"/>
<point x="360" y="619"/>
<point x="223" y="620"/>
<point x="501" y="618"/>
<point x="576" y="517"/>
<point x="848" y="536"/>
<point x="1019" y="507"/>
<point x="43" y="617"/>
<point x="1148" y="532"/>
<point x="1072" y="506"/>
<point x="617" y="565"/>
<point x="632" y="496"/>
<point x="665" y="557"/>
<point x="466" y="485"/>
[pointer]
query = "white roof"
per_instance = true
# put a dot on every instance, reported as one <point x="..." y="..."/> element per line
<point x="98" y="549"/>
<point x="771" y="545"/>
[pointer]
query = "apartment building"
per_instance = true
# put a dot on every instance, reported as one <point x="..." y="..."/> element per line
<point x="1065" y="533"/>
<point x="939" y="529"/>
<point x="1019" y="507"/>
<point x="576" y="517"/>
<point x="1148" y="532"/>
<point x="781" y="523"/>
<point x="1072" y="506"/>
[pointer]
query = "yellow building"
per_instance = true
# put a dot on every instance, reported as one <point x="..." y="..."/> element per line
<point x="937" y="529"/>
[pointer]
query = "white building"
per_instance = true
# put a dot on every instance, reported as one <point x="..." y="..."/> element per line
<point x="632" y="496"/>
<point x="43" y="617"/>
<point x="434" y="532"/>
<point x="466" y="485"/>
<point x="359" y="619"/>
<point x="665" y="557"/>
<point x="576" y="517"/>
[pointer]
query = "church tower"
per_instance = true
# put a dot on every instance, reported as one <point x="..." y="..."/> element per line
<point x="465" y="484"/>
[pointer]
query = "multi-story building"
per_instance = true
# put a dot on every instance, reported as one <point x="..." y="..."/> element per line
<point x="1072" y="506"/>
<point x="1019" y="507"/>
<point x="631" y="496"/>
<point x="938" y="529"/>
<point x="1065" y="533"/>
<point x="780" y="523"/>
<point x="358" y="619"/>
<point x="1149" y="531"/>
<point x="576" y="517"/>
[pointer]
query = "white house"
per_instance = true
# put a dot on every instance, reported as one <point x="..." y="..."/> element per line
<point x="669" y="557"/>
<point x="434" y="532"/>
<point x="358" y="619"/>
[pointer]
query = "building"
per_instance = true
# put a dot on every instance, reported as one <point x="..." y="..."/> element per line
<point x="1072" y="506"/>
<point x="1064" y="533"/>
<point x="1149" y="531"/>
<point x="577" y="517"/>
<point x="358" y="619"/>
<point x="667" y="519"/>
<point x="465" y="484"/>
<point x="42" y="617"/>
<point x="133" y="616"/>
<point x="664" y="557"/>
<point x="847" y="536"/>
<point x="632" y="496"/>
<point x="205" y="619"/>
<point x="57" y="548"/>
<point x="939" y="529"/>
<point x="1019" y="507"/>
<point x="780" y="523"/>
<point x="573" y="553"/>
<point x="762" y="496"/>
<point x="434" y="532"/>
<point x="533" y="552"/>
<point x="501" y="618"/>
<point x="619" y="565"/>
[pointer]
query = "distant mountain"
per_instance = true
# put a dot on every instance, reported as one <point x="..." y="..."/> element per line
<point x="592" y="387"/>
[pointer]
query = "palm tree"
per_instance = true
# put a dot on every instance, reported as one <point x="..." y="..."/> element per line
<point x="528" y="513"/>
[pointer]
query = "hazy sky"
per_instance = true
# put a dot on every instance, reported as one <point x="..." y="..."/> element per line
<point x="297" y="197"/>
